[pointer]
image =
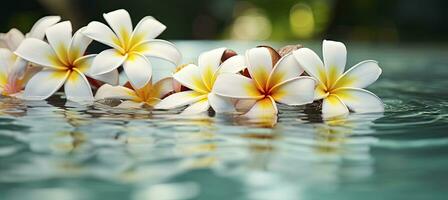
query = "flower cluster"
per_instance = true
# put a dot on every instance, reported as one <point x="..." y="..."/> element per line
<point x="36" y="65"/>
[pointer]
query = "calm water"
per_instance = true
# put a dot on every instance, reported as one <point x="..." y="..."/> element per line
<point x="58" y="150"/>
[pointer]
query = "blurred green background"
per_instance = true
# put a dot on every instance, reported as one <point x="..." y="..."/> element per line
<point x="385" y="21"/>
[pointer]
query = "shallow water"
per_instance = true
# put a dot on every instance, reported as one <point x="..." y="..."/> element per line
<point x="57" y="150"/>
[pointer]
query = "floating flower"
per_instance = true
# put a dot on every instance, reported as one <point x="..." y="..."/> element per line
<point x="201" y="80"/>
<point x="130" y="47"/>
<point x="14" y="71"/>
<point x="341" y="91"/>
<point x="64" y="64"/>
<point x="268" y="84"/>
<point x="149" y="95"/>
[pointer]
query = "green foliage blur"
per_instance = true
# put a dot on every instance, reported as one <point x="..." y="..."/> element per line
<point x="382" y="21"/>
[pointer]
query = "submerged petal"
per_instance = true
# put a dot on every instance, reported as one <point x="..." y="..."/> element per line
<point x="360" y="100"/>
<point x="297" y="91"/>
<point x="180" y="99"/>
<point x="45" y="83"/>
<point x="263" y="108"/>
<point x="138" y="69"/>
<point x="77" y="87"/>
<point x="236" y="86"/>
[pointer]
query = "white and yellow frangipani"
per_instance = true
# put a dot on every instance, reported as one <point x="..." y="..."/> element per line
<point x="341" y="91"/>
<point x="64" y="63"/>
<point x="201" y="80"/>
<point x="270" y="83"/>
<point x="14" y="71"/>
<point x="130" y="47"/>
<point x="149" y="95"/>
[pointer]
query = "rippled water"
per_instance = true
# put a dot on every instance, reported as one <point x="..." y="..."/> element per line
<point x="58" y="150"/>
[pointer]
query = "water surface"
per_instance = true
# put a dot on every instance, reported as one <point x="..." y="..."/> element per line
<point x="62" y="150"/>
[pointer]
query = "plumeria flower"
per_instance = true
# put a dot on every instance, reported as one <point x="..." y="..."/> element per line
<point x="130" y="47"/>
<point x="341" y="91"/>
<point x="149" y="95"/>
<point x="271" y="83"/>
<point x="201" y="80"/>
<point x="14" y="71"/>
<point x="64" y="64"/>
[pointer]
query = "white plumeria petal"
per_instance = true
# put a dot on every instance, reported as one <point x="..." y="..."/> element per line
<point x="78" y="45"/>
<point x="335" y="57"/>
<point x="286" y="68"/>
<point x="162" y="88"/>
<point x="12" y="39"/>
<point x="102" y="33"/>
<point x="180" y="99"/>
<point x="332" y="106"/>
<point x="130" y="104"/>
<point x="263" y="108"/>
<point x="138" y="69"/>
<point x="39" y="52"/>
<point x="7" y="59"/>
<point x="208" y="63"/>
<point x="120" y="21"/>
<point x="311" y="63"/>
<point x="77" y="87"/>
<point x="244" y="105"/>
<point x="39" y="28"/>
<point x="360" y="100"/>
<point x="159" y="49"/>
<point x="246" y="87"/>
<point x="107" y="61"/>
<point x="190" y="76"/>
<point x="259" y="65"/>
<point x="361" y="75"/>
<point x="59" y="37"/>
<point x="111" y="77"/>
<point x="197" y="107"/>
<point x="45" y="83"/>
<point x="148" y="28"/>
<point x="221" y="104"/>
<point x="234" y="64"/>
<point x="107" y="91"/>
<point x="297" y="91"/>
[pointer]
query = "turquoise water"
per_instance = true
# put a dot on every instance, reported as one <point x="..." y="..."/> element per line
<point x="57" y="150"/>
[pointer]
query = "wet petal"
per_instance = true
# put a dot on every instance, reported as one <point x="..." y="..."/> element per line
<point x="130" y="104"/>
<point x="234" y="64"/>
<point x="162" y="88"/>
<point x="39" y="28"/>
<point x="147" y="29"/>
<point x="190" y="76"/>
<point x="77" y="87"/>
<point x="39" y="52"/>
<point x="311" y="63"/>
<point x="361" y="75"/>
<point x="221" y="104"/>
<point x="297" y="91"/>
<point x="107" y="91"/>
<point x="78" y="45"/>
<point x="180" y="99"/>
<point x="259" y="65"/>
<point x="45" y="83"/>
<point x="120" y="22"/>
<point x="106" y="61"/>
<point x="159" y="49"/>
<point x="263" y="108"/>
<point x="332" y="106"/>
<point x="286" y="68"/>
<point x="335" y="57"/>
<point x="59" y="37"/>
<point x="208" y="63"/>
<point x="102" y="33"/>
<point x="138" y="69"/>
<point x="197" y="107"/>
<point x="236" y="86"/>
<point x="360" y="100"/>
